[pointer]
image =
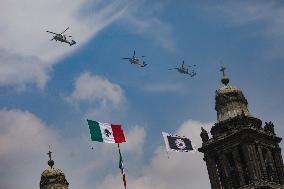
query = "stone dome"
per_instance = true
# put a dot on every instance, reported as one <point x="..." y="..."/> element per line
<point x="52" y="172"/>
<point x="227" y="89"/>
<point x="54" y="177"/>
<point x="230" y="101"/>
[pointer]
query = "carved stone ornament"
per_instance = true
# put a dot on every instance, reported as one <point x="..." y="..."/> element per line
<point x="269" y="127"/>
<point x="204" y="135"/>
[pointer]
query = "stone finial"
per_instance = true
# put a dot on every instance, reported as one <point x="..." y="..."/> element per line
<point x="269" y="127"/>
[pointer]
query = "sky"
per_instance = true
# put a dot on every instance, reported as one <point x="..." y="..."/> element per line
<point x="48" y="89"/>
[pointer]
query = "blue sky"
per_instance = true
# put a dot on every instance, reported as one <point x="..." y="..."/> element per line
<point x="52" y="88"/>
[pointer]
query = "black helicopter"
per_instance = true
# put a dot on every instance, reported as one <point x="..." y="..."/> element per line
<point x="62" y="38"/>
<point x="135" y="60"/>
<point x="185" y="70"/>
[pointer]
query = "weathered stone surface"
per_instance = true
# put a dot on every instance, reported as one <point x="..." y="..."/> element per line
<point x="53" y="177"/>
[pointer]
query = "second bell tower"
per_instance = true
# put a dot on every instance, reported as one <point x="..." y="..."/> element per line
<point x="241" y="153"/>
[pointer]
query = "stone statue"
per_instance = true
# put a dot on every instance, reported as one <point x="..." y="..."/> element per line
<point x="269" y="127"/>
<point x="204" y="135"/>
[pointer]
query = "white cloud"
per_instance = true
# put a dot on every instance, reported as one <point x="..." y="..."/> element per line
<point x="93" y="88"/>
<point x="23" y="37"/>
<point x="23" y="137"/>
<point x="145" y="21"/>
<point x="17" y="69"/>
<point x="26" y="45"/>
<point x="180" y="171"/>
<point x="24" y="141"/>
<point x="135" y="141"/>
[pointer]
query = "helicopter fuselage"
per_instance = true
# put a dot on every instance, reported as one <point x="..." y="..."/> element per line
<point x="134" y="60"/>
<point x="62" y="38"/>
<point x="184" y="71"/>
<point x="59" y="37"/>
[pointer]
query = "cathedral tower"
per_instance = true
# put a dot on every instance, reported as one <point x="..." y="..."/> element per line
<point x="241" y="153"/>
<point x="53" y="178"/>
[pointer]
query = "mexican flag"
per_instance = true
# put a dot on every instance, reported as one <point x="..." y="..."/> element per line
<point x="106" y="132"/>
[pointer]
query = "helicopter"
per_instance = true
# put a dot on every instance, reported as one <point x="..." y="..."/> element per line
<point x="135" y="60"/>
<point x="184" y="70"/>
<point x="62" y="38"/>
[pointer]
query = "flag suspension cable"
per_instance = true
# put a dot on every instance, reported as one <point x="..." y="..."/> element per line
<point x="121" y="166"/>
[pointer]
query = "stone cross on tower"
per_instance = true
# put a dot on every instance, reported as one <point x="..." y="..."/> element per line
<point x="225" y="79"/>
<point x="223" y="70"/>
<point x="49" y="154"/>
<point x="50" y="161"/>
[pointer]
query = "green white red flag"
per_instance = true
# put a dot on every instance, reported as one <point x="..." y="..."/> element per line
<point x="106" y="132"/>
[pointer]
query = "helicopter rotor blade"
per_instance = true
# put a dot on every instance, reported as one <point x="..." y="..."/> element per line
<point x="65" y="30"/>
<point x="52" y="32"/>
<point x="143" y="56"/>
<point x="134" y="53"/>
<point x="126" y="58"/>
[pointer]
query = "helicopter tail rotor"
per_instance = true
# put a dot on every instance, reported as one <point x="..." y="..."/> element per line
<point x="72" y="43"/>
<point x="193" y="74"/>
<point x="143" y="64"/>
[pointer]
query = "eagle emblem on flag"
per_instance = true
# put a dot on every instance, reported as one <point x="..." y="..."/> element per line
<point x="107" y="133"/>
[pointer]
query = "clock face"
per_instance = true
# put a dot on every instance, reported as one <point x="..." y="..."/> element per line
<point x="180" y="144"/>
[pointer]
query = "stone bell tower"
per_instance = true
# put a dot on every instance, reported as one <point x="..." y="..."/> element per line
<point x="241" y="153"/>
<point x="53" y="178"/>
